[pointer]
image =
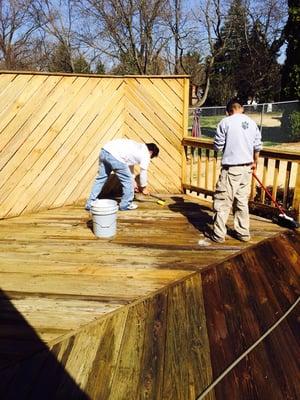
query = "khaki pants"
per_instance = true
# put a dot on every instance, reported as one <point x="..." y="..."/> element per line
<point x="232" y="191"/>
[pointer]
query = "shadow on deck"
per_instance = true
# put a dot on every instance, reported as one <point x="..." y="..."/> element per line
<point x="149" y="314"/>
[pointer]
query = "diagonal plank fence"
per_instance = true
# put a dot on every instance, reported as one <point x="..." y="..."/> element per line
<point x="53" y="126"/>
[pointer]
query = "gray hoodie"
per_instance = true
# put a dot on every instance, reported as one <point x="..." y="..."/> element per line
<point x="238" y="137"/>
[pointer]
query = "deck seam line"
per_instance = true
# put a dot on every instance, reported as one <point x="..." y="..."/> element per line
<point x="252" y="347"/>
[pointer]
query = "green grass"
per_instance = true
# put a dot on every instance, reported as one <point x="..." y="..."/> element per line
<point x="207" y="122"/>
<point x="271" y="136"/>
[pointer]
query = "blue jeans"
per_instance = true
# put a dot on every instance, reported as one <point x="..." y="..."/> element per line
<point x="107" y="164"/>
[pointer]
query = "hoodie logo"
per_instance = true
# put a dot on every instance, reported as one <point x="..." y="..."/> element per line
<point x="245" y="125"/>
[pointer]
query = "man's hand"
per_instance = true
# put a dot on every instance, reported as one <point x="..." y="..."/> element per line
<point x="254" y="166"/>
<point x="145" y="191"/>
<point x="135" y="186"/>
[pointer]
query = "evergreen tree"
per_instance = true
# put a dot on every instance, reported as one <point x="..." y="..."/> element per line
<point x="100" y="68"/>
<point x="247" y="67"/>
<point x="191" y="64"/>
<point x="227" y="80"/>
<point x="60" y="60"/>
<point x="259" y="71"/>
<point x="290" y="84"/>
<point x="81" y="66"/>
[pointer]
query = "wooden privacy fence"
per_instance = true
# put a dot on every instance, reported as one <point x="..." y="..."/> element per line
<point x="53" y="126"/>
<point x="278" y="170"/>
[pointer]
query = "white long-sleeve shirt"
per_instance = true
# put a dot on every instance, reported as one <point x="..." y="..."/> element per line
<point x="131" y="153"/>
<point x="238" y="137"/>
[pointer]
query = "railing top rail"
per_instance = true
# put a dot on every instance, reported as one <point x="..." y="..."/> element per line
<point x="266" y="152"/>
<point x="197" y="142"/>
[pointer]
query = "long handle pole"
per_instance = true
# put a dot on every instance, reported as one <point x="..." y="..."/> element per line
<point x="269" y="194"/>
<point x="156" y="197"/>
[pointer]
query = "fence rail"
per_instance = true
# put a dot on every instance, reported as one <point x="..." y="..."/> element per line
<point x="279" y="171"/>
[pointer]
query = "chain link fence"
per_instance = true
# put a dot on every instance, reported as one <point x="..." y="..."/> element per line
<point x="278" y="122"/>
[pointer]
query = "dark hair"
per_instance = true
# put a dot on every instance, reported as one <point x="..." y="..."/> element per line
<point x="152" y="147"/>
<point x="232" y="104"/>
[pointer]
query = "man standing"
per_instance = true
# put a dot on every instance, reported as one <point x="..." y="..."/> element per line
<point x="239" y="138"/>
<point x="120" y="156"/>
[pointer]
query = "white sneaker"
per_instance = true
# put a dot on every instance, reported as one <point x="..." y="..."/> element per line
<point x="132" y="206"/>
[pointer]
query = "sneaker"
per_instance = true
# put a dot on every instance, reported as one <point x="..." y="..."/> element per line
<point x="213" y="237"/>
<point x="241" y="238"/>
<point x="132" y="206"/>
<point x="87" y="208"/>
<point x="216" y="239"/>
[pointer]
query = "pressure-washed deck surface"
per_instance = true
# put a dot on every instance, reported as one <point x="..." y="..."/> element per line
<point x="150" y="314"/>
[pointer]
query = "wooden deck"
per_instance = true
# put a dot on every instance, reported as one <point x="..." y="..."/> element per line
<point x="150" y="314"/>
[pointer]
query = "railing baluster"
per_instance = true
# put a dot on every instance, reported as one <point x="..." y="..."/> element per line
<point x="191" y="164"/>
<point x="287" y="183"/>
<point x="275" y="179"/>
<point x="206" y="169"/>
<point x="199" y="169"/>
<point x="264" y="180"/>
<point x="296" y="199"/>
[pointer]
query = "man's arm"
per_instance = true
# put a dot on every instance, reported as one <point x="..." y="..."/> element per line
<point x="143" y="181"/>
<point x="144" y="165"/>
<point x="255" y="160"/>
<point x="220" y="138"/>
<point x="257" y="147"/>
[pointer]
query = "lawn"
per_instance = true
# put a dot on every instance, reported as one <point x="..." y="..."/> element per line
<point x="272" y="134"/>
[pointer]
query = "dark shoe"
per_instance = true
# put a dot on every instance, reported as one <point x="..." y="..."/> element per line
<point x="213" y="237"/>
<point x="241" y="238"/>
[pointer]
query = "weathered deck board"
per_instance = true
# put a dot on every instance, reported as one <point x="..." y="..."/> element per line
<point x="270" y="371"/>
<point x="149" y="314"/>
<point x="232" y="305"/>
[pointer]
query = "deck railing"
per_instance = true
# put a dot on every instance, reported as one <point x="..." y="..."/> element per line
<point x="278" y="170"/>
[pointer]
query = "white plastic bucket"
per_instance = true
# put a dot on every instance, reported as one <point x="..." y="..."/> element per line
<point x="104" y="213"/>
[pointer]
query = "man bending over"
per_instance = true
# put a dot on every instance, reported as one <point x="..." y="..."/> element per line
<point x="120" y="156"/>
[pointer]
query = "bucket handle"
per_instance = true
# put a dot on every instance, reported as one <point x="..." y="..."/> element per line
<point x="103" y="226"/>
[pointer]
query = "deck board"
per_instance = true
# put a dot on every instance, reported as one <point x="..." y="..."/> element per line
<point x="270" y="371"/>
<point x="149" y="290"/>
<point x="54" y="257"/>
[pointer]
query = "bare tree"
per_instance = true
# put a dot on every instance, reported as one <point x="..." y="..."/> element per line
<point x="267" y="15"/>
<point x="174" y="20"/>
<point x="178" y="21"/>
<point x="56" y="21"/>
<point x="271" y="16"/>
<point x="16" y="29"/>
<point x="211" y="17"/>
<point x="128" y="31"/>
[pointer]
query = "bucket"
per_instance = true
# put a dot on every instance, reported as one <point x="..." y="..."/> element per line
<point x="104" y="214"/>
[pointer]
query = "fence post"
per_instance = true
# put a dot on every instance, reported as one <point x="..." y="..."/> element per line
<point x="296" y="200"/>
<point x="261" y="117"/>
<point x="185" y="116"/>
